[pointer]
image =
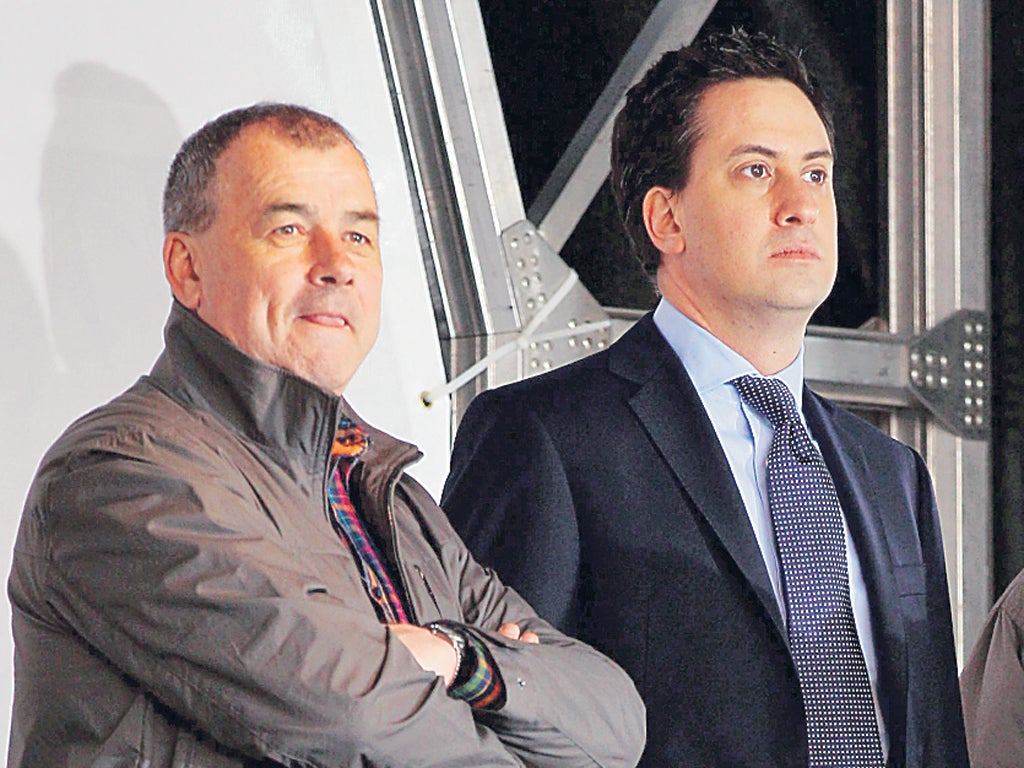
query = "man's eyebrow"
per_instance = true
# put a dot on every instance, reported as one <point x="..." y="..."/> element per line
<point x="753" y="149"/>
<point x="273" y="208"/>
<point x="360" y="216"/>
<point x="819" y="154"/>
<point x="760" y="149"/>
<point x="307" y="210"/>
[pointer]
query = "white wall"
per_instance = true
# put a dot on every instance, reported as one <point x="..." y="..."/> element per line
<point x="98" y="97"/>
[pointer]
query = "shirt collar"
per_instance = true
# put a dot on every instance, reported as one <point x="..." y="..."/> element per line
<point x="709" y="362"/>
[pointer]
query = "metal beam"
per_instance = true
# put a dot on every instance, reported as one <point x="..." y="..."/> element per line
<point x="955" y="154"/>
<point x="432" y="187"/>
<point x="479" y="156"/>
<point x="859" y="367"/>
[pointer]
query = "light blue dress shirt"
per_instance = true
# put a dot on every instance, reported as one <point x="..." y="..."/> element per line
<point x="746" y="436"/>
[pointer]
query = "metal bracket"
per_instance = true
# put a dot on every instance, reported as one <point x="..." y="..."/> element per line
<point x="949" y="373"/>
<point x="571" y="330"/>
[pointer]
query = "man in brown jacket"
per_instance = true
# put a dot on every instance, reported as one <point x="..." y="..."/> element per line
<point x="992" y="684"/>
<point x="225" y="566"/>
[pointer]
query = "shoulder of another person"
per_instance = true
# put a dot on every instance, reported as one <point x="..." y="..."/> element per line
<point x="849" y="422"/>
<point x="547" y="393"/>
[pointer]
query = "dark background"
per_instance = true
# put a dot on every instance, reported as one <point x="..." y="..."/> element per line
<point x="1007" y="270"/>
<point x="552" y="58"/>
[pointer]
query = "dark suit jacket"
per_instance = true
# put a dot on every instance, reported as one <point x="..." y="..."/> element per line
<point x="601" y="492"/>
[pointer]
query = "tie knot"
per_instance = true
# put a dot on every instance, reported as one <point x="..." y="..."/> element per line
<point x="769" y="397"/>
<point x="772" y="398"/>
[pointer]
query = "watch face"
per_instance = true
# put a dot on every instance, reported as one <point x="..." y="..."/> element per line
<point x="461" y="646"/>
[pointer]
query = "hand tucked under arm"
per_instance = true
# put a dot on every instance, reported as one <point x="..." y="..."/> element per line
<point x="480" y="683"/>
<point x="433" y="653"/>
<point x="512" y="631"/>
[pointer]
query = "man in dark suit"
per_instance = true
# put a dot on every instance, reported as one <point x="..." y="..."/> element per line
<point x="779" y="602"/>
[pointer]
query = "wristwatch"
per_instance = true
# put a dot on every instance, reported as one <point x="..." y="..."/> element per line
<point x="458" y="641"/>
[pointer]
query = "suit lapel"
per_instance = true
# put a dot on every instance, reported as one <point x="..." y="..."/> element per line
<point x="669" y="409"/>
<point x="871" y="524"/>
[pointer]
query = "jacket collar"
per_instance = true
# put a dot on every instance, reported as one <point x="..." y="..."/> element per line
<point x="289" y="417"/>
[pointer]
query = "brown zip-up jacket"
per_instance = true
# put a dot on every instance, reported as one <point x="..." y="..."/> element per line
<point x="181" y="599"/>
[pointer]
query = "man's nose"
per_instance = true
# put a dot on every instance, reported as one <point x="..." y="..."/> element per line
<point x="332" y="263"/>
<point x="797" y="202"/>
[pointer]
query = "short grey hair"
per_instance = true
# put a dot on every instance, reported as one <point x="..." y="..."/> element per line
<point x="188" y="203"/>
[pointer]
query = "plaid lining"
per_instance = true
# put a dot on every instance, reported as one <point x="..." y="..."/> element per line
<point x="483" y="687"/>
<point x="349" y="443"/>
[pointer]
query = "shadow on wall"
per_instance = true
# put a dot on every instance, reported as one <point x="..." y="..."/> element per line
<point x="27" y="380"/>
<point x="100" y="184"/>
<point x="102" y="177"/>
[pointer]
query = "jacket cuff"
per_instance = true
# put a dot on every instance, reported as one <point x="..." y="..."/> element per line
<point x="477" y="680"/>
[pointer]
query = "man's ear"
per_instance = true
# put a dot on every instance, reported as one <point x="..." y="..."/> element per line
<point x="662" y="222"/>
<point x="180" y="268"/>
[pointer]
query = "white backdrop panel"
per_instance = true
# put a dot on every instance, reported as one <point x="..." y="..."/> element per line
<point x="99" y="95"/>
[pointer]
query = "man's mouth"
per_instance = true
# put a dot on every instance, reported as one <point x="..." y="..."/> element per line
<point x="797" y="252"/>
<point x="327" y="319"/>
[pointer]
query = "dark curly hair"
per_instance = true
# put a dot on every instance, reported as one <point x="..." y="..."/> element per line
<point x="657" y="129"/>
<point x="188" y="203"/>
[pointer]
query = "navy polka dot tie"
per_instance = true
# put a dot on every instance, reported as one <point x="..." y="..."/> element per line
<point x="841" y="725"/>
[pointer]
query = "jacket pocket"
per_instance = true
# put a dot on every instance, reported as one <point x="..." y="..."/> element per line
<point x="910" y="579"/>
<point x="425" y="584"/>
<point x="913" y="594"/>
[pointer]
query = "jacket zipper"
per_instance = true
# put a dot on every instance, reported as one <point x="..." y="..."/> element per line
<point x="392" y="484"/>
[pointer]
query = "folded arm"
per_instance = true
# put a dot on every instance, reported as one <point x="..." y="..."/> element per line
<point x="231" y="630"/>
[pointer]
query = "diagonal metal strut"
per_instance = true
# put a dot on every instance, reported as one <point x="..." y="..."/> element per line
<point x="584" y="165"/>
